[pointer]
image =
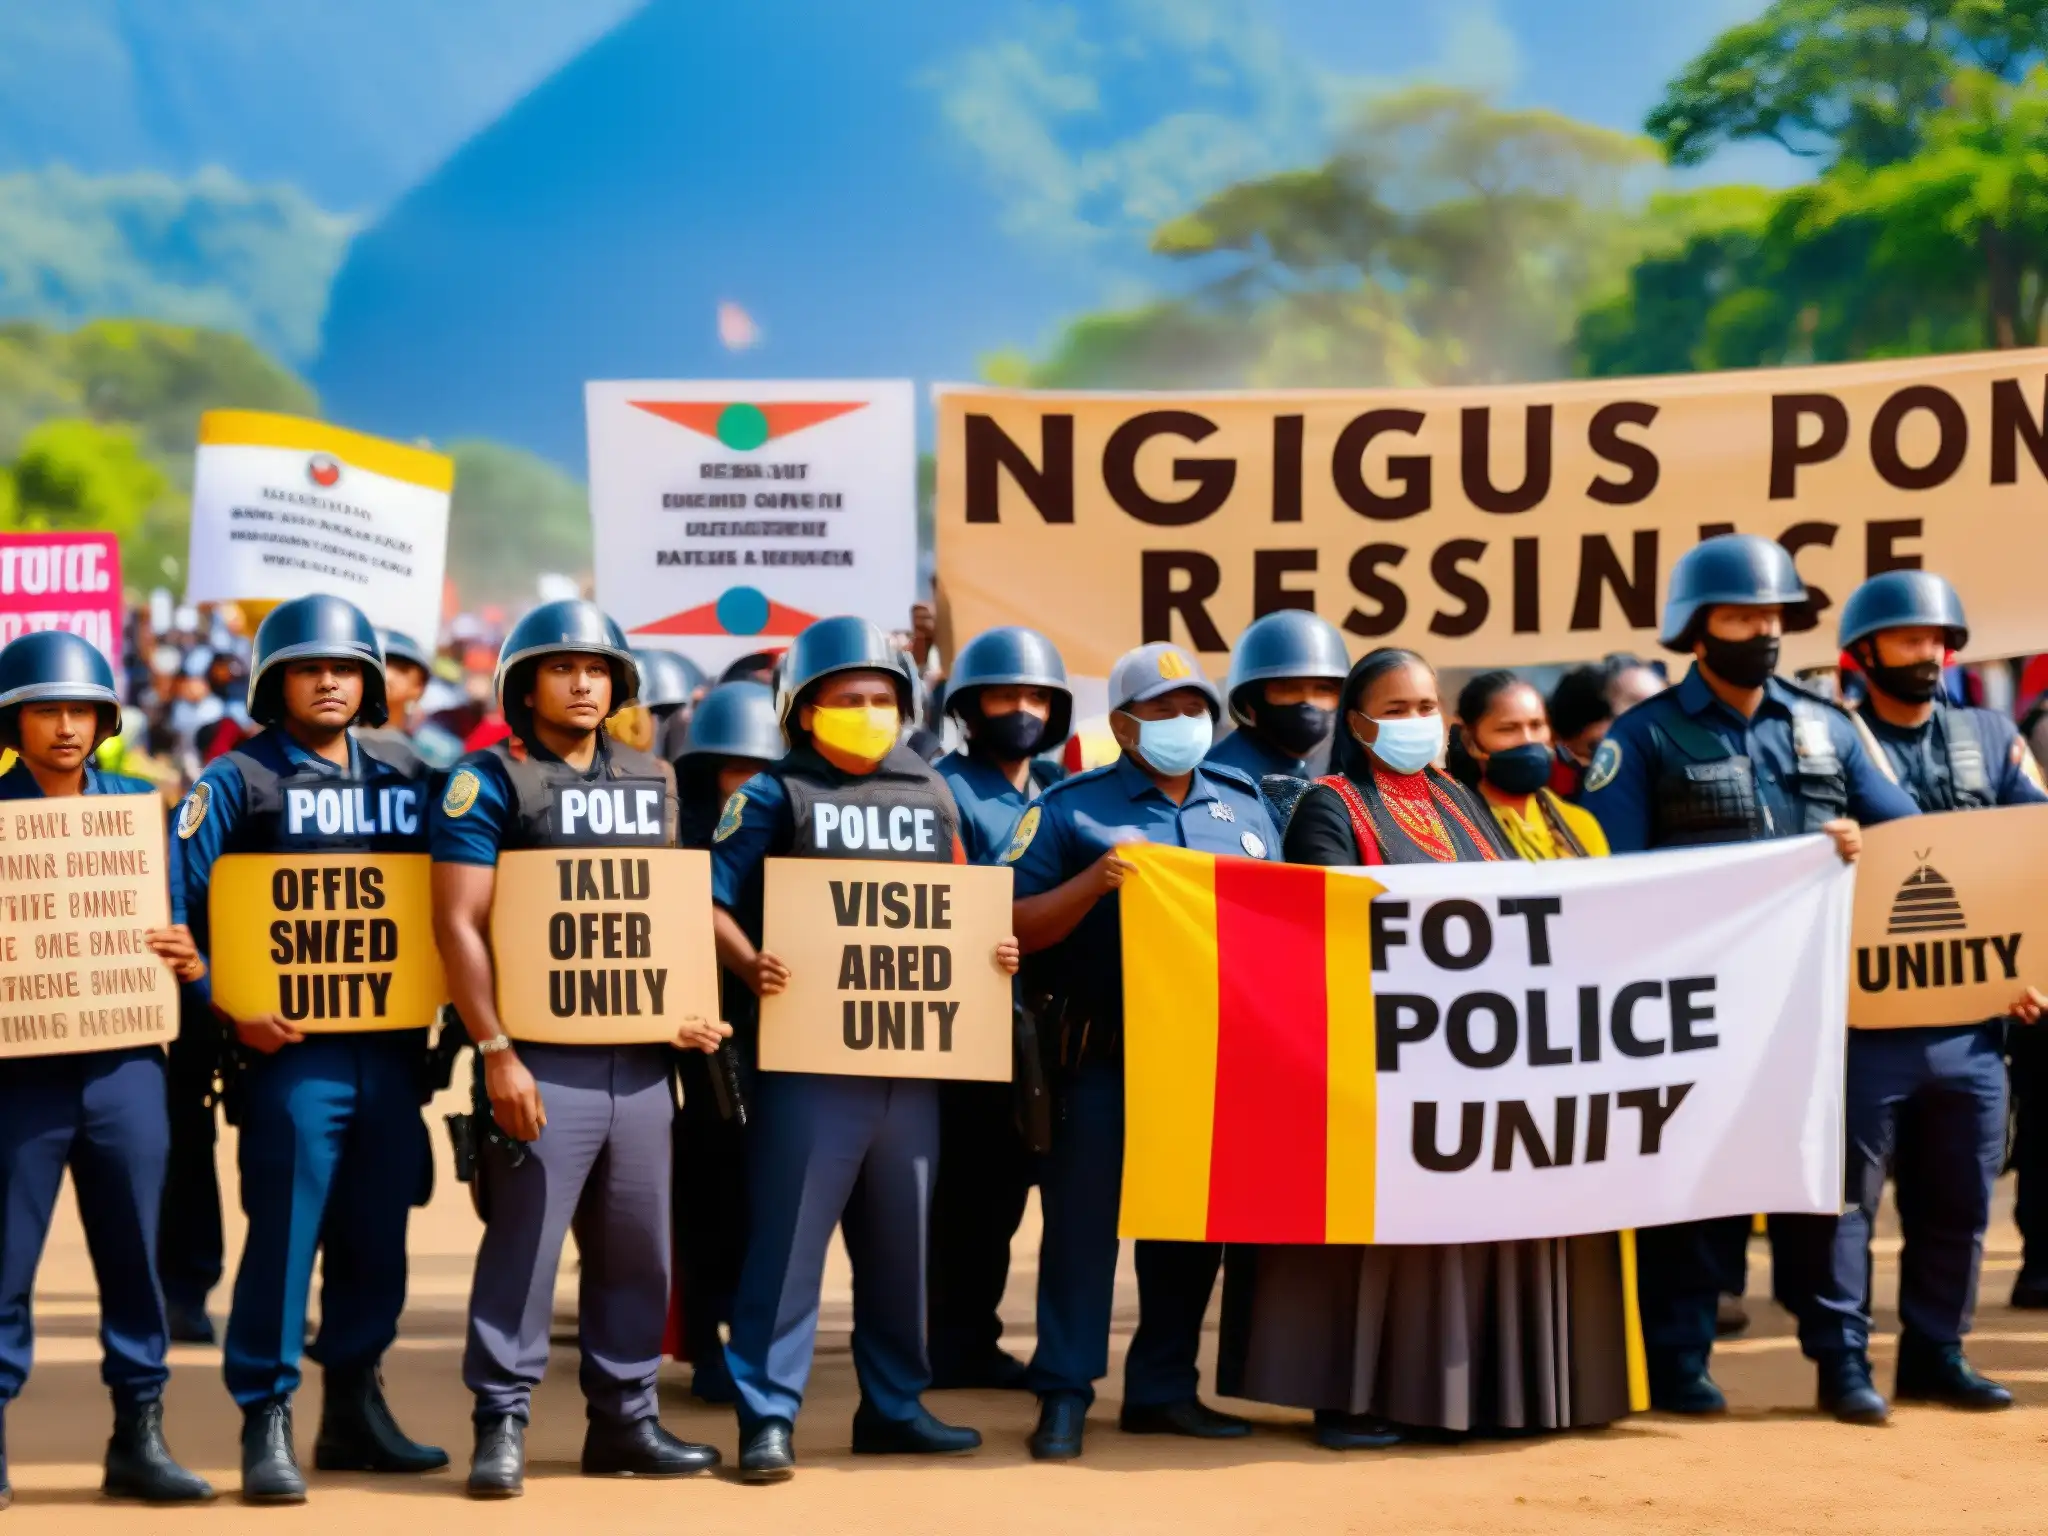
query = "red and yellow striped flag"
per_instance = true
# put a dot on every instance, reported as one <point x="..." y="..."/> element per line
<point x="1249" y="1051"/>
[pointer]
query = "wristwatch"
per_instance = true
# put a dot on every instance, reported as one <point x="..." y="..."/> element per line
<point x="495" y="1044"/>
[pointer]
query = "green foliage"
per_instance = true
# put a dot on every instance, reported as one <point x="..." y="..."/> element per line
<point x="513" y="516"/>
<point x="77" y="475"/>
<point x="1852" y="80"/>
<point x="210" y="251"/>
<point x="1448" y="240"/>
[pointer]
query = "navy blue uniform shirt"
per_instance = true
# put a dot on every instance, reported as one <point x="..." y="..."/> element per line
<point x="1912" y="749"/>
<point x="17" y="783"/>
<point x="1621" y="786"/>
<point x="1254" y="756"/>
<point x="1078" y="820"/>
<point x="990" y="804"/>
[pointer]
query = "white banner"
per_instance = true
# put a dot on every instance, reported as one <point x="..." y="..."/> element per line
<point x="1585" y="1045"/>
<point x="728" y="514"/>
<point x="283" y="507"/>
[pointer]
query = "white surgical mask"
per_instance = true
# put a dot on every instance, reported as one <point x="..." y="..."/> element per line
<point x="1409" y="743"/>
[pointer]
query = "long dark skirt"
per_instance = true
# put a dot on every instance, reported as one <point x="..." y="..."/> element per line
<point x="1477" y="1336"/>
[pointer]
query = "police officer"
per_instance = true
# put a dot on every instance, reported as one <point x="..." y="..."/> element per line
<point x="669" y="685"/>
<point x="99" y="1113"/>
<point x="1928" y="1104"/>
<point x="407" y="669"/>
<point x="1285" y="672"/>
<point x="826" y="1150"/>
<point x="1066" y="853"/>
<point x="1009" y="692"/>
<point x="595" y="1121"/>
<point x="332" y="1144"/>
<point x="734" y="733"/>
<point x="1730" y="754"/>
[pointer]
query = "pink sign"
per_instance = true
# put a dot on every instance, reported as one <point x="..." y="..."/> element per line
<point x="68" y="581"/>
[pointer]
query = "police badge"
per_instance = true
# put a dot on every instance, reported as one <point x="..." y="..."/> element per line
<point x="193" y="812"/>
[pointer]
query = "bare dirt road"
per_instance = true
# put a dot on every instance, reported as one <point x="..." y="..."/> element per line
<point x="1771" y="1465"/>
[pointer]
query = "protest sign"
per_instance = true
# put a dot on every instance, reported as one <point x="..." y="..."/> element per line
<point x="1951" y="917"/>
<point x="728" y="514"/>
<point x="67" y="581"/>
<point x="1488" y="526"/>
<point x="332" y="942"/>
<point x="1451" y="1053"/>
<point x="892" y="969"/>
<point x="82" y="881"/>
<point x="283" y="507"/>
<point x="608" y="947"/>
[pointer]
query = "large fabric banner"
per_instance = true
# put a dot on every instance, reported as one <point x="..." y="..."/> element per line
<point x="1481" y="1052"/>
<point x="1490" y="526"/>
<point x="284" y="507"/>
<point x="728" y="514"/>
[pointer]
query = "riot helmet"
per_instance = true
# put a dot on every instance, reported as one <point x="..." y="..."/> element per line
<point x="736" y="720"/>
<point x="1745" y="569"/>
<point x="55" y="667"/>
<point x="668" y="680"/>
<point x="1011" y="656"/>
<point x="399" y="646"/>
<point x="319" y="627"/>
<point x="828" y="646"/>
<point x="1290" y="642"/>
<point x="1904" y="600"/>
<point x="569" y="624"/>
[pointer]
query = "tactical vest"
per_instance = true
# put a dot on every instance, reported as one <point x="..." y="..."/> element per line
<point x="902" y="810"/>
<point x="1707" y="792"/>
<point x="290" y="807"/>
<point x="1961" y="780"/>
<point x="629" y="803"/>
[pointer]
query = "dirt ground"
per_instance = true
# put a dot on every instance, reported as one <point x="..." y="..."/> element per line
<point x="1771" y="1465"/>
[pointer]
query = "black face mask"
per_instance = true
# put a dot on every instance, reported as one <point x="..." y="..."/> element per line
<point x="1741" y="663"/>
<point x="1008" y="738"/>
<point x="1520" y="770"/>
<point x="1296" y="728"/>
<point x="1914" y="684"/>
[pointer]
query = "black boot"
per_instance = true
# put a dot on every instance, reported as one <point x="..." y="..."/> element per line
<point x="918" y="1435"/>
<point x="1339" y="1431"/>
<point x="1938" y="1373"/>
<point x="358" y="1433"/>
<point x="140" y="1465"/>
<point x="1679" y="1383"/>
<point x="1846" y="1390"/>
<point x="1190" y="1417"/>
<point x="497" y="1470"/>
<point x="270" y="1464"/>
<point x="1062" y="1424"/>
<point x="641" y="1448"/>
<point x="2030" y="1292"/>
<point x="766" y="1452"/>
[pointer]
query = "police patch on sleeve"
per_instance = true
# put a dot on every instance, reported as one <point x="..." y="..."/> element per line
<point x="193" y="812"/>
<point x="1606" y="764"/>
<point x="1253" y="844"/>
<point x="729" y="818"/>
<point x="1021" y="838"/>
<point x="461" y="793"/>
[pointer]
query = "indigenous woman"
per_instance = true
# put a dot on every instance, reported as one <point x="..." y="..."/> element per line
<point x="1504" y="753"/>
<point x="1385" y="1341"/>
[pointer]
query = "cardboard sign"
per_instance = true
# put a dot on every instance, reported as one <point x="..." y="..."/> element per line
<point x="333" y="942"/>
<point x="605" y="946"/>
<point x="727" y="514"/>
<point x="283" y="507"/>
<point x="892" y="969"/>
<point x="67" y="581"/>
<point x="1950" y="917"/>
<point x="81" y="883"/>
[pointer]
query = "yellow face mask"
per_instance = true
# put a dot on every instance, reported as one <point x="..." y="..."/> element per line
<point x="855" y="737"/>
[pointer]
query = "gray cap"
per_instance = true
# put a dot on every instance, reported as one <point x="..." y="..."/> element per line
<point x="1158" y="668"/>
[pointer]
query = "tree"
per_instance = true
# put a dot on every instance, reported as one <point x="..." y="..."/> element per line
<point x="1847" y="80"/>
<point x="1447" y="240"/>
<point x="512" y="517"/>
<point x="77" y="475"/>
